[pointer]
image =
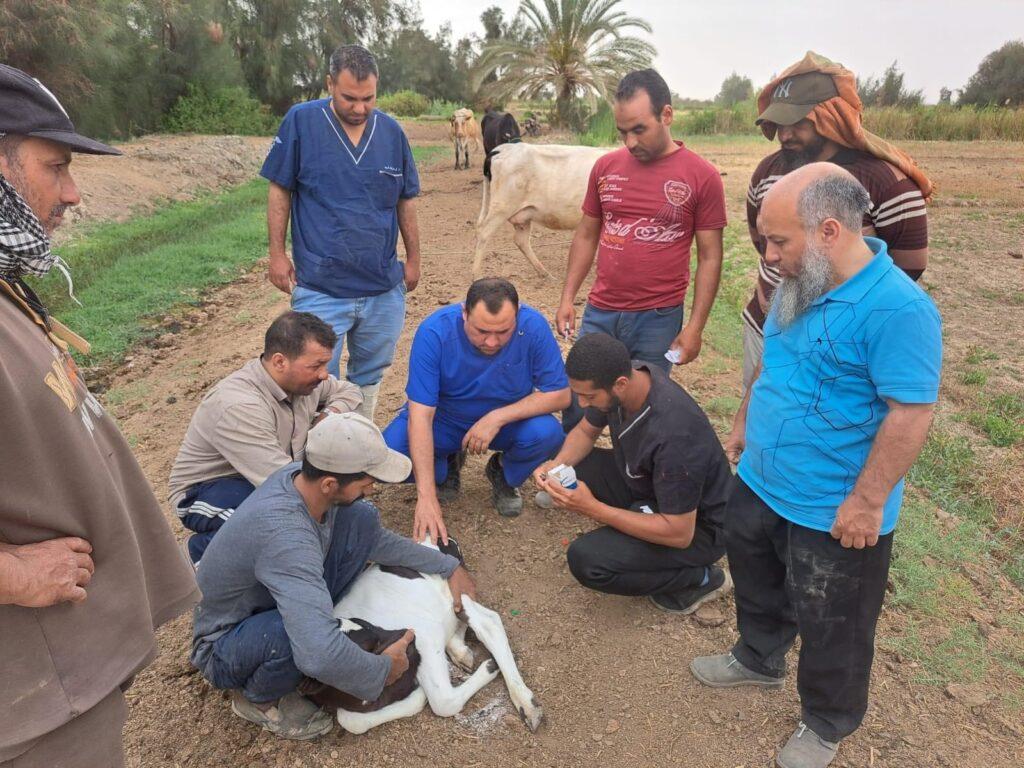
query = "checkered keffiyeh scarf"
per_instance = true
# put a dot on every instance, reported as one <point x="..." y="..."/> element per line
<point x="24" y="246"/>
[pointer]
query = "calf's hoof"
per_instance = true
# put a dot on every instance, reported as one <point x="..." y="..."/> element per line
<point x="532" y="715"/>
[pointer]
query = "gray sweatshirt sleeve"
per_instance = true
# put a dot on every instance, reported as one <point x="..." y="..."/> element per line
<point x="290" y="566"/>
<point x="392" y="549"/>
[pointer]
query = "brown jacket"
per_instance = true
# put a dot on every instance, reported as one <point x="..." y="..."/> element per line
<point x="66" y="470"/>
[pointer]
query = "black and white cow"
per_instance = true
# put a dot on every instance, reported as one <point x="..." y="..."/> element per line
<point x="381" y="605"/>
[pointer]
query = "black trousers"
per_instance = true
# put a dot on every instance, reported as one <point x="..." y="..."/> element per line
<point x="790" y="579"/>
<point x="610" y="561"/>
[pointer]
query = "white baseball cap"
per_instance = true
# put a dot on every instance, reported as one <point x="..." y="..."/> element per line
<point x="347" y="443"/>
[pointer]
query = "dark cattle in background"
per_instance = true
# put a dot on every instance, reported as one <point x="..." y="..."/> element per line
<point x="498" y="128"/>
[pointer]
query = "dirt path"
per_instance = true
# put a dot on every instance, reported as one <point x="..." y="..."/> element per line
<point x="610" y="672"/>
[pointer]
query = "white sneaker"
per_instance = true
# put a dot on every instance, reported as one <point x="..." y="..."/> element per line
<point x="543" y="500"/>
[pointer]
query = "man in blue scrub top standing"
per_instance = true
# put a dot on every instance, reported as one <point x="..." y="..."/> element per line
<point x="343" y="173"/>
<point x="484" y="375"/>
<point x="836" y="416"/>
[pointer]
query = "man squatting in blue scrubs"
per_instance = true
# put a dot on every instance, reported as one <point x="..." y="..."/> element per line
<point x="344" y="173"/>
<point x="484" y="375"/>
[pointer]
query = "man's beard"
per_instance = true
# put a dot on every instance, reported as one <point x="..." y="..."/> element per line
<point x="795" y="294"/>
<point x="797" y="158"/>
<point x="49" y="222"/>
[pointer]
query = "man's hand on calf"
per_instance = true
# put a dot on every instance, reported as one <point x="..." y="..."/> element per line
<point x="461" y="583"/>
<point x="428" y="520"/>
<point x="396" y="653"/>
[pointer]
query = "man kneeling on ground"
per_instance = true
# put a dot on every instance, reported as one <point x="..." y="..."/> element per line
<point x="271" y="577"/>
<point x="254" y="422"/>
<point x="660" y="492"/>
<point x="485" y="375"/>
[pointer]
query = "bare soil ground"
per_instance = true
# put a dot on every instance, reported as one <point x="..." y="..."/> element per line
<point x="610" y="672"/>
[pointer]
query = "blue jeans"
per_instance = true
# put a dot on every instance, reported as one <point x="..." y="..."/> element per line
<point x="256" y="654"/>
<point x="647" y="335"/>
<point x="370" y="324"/>
<point x="525" y="444"/>
<point x="207" y="506"/>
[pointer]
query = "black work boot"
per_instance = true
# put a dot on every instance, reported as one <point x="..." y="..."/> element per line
<point x="449" y="489"/>
<point x="507" y="499"/>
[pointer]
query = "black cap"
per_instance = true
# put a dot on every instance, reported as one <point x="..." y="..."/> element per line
<point x="27" y="108"/>
<point x="795" y="97"/>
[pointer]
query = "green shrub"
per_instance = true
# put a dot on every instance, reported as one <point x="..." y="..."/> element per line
<point x="404" y="103"/>
<point x="442" y="108"/>
<point x="226" y="110"/>
<point x="601" y="130"/>
<point x="737" y="119"/>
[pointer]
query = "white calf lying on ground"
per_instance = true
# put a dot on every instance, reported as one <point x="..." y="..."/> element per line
<point x="383" y="603"/>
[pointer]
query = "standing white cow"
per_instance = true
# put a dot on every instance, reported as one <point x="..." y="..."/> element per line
<point x="380" y="606"/>
<point x="533" y="183"/>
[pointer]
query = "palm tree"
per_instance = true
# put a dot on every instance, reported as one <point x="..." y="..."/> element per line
<point x="576" y="48"/>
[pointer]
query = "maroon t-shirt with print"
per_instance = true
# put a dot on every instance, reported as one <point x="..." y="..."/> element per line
<point x="648" y="213"/>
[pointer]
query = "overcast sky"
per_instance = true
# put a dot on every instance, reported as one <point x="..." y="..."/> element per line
<point x="937" y="42"/>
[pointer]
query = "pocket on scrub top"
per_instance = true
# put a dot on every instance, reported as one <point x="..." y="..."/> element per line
<point x="511" y="381"/>
<point x="385" y="187"/>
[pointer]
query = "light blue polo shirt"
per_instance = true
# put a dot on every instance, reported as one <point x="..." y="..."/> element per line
<point x="448" y="373"/>
<point x="344" y="213"/>
<point x="816" y="407"/>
